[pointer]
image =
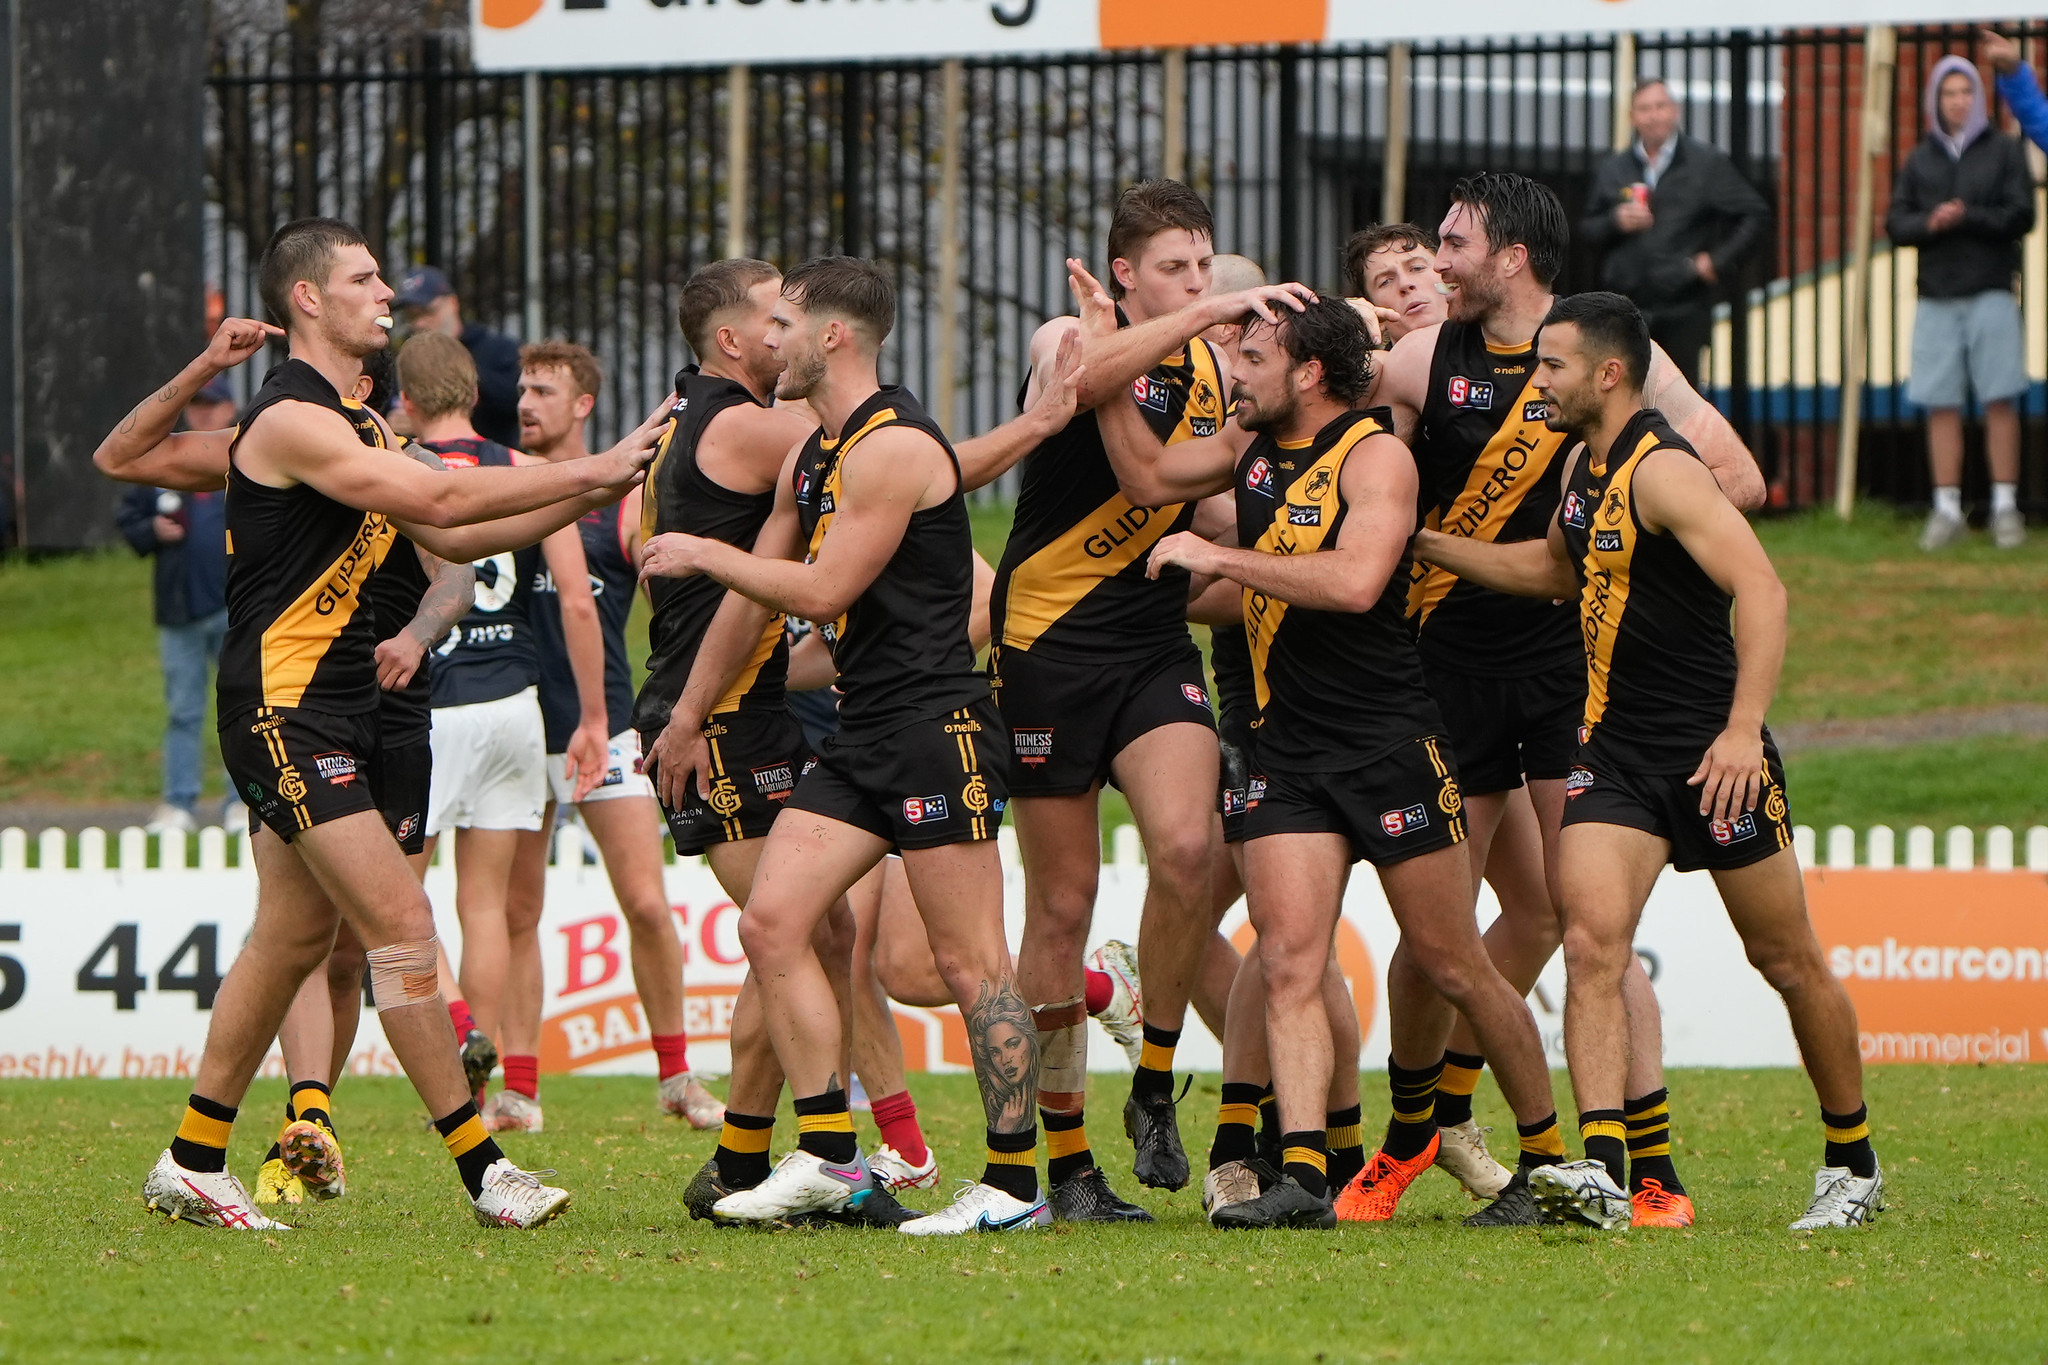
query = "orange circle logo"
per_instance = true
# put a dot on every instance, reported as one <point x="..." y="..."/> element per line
<point x="1354" y="959"/>
<point x="508" y="13"/>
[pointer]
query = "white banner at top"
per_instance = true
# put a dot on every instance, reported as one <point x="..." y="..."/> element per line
<point x="520" y="35"/>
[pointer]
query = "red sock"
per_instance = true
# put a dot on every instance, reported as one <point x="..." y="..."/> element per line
<point x="671" y="1053"/>
<point x="523" y="1074"/>
<point x="1099" y="989"/>
<point x="896" y="1116"/>
<point x="459" y="1015"/>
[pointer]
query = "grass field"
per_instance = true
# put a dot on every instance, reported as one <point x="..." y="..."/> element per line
<point x="1878" y="630"/>
<point x="1957" y="1270"/>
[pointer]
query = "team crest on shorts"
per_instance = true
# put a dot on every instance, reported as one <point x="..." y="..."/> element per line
<point x="1450" y="800"/>
<point x="1194" y="694"/>
<point x="1726" y="832"/>
<point x="974" y="795"/>
<point x="918" y="809"/>
<point x="725" y="798"/>
<point x="291" y="786"/>
<point x="1400" y="822"/>
<point x="1032" y="747"/>
<point x="1576" y="781"/>
<point x="1774" y="805"/>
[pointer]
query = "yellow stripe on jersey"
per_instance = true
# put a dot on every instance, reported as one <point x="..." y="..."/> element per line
<point x="1604" y="599"/>
<point x="296" y="642"/>
<point x="764" y="650"/>
<point x="1516" y="461"/>
<point x="649" y="509"/>
<point x="1108" y="540"/>
<point x="1316" y="485"/>
<point x="828" y="496"/>
<point x="1101" y="545"/>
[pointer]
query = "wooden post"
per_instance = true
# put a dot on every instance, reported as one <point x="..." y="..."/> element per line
<point x="1624" y="90"/>
<point x="1394" y="175"/>
<point x="738" y="142"/>
<point x="1880" y="57"/>
<point x="944" y="399"/>
<point x="1173" y="113"/>
<point x="530" y="190"/>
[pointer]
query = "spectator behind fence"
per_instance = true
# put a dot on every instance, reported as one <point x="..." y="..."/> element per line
<point x="187" y="534"/>
<point x="1675" y="220"/>
<point x="426" y="302"/>
<point x="1965" y="198"/>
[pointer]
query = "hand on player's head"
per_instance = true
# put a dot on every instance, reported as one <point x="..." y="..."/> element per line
<point x="1262" y="299"/>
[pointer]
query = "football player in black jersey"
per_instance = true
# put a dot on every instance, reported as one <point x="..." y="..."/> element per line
<point x="1675" y="764"/>
<point x="1505" y="671"/>
<point x="1347" y="742"/>
<point x="874" y="504"/>
<point x="313" y="505"/>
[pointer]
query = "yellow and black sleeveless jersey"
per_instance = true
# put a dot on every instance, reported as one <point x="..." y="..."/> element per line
<point x="298" y="634"/>
<point x="1660" y="656"/>
<point x="679" y="496"/>
<point x="1072" y="580"/>
<point x="901" y="649"/>
<point x="1335" y="688"/>
<point x="1488" y="466"/>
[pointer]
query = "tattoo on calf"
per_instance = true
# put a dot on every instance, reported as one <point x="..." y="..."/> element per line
<point x="1005" y="1045"/>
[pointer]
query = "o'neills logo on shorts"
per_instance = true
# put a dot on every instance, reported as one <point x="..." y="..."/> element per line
<point x="775" y="781"/>
<point x="1577" y="781"/>
<point x="1033" y="747"/>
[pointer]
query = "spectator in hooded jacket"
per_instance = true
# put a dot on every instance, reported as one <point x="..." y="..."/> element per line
<point x="1965" y="198"/>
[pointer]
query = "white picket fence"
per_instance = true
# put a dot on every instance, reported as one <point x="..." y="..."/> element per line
<point x="214" y="848"/>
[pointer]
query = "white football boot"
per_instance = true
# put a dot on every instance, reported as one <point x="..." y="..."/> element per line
<point x="684" y="1096"/>
<point x="512" y="1198"/>
<point x="800" y="1183"/>
<point x="1463" y="1154"/>
<point x="508" y="1111"/>
<point x="895" y="1172"/>
<point x="1842" y="1199"/>
<point x="981" y="1208"/>
<point x="1581" y="1192"/>
<point x="1123" y="1018"/>
<point x="212" y="1199"/>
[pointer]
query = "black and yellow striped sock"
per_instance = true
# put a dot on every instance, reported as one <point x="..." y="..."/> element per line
<point x="313" y="1102"/>
<point x="1413" y="1121"/>
<point x="1155" y="1063"/>
<point x="824" y="1127"/>
<point x="1344" y="1131"/>
<point x="276" y="1152"/>
<point x="1013" y="1163"/>
<point x="202" y="1140"/>
<point x="1604" y="1134"/>
<point x="474" y="1149"/>
<point x="742" y="1154"/>
<point x="1066" y="1145"/>
<point x="1454" y="1088"/>
<point x="1849" y="1142"/>
<point x="1269" y="1127"/>
<point x="1303" y="1156"/>
<point x="1237" y="1119"/>
<point x="1542" y="1144"/>
<point x="1649" y="1142"/>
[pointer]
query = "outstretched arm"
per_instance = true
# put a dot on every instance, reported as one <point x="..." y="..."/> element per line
<point x="1673" y="494"/>
<point x="1153" y="474"/>
<point x="143" y="449"/>
<point x="1378" y="484"/>
<point x="1702" y="424"/>
<point x="1524" y="568"/>
<point x="986" y="458"/>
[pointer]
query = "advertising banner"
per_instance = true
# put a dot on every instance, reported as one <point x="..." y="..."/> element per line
<point x="517" y="35"/>
<point x="105" y="973"/>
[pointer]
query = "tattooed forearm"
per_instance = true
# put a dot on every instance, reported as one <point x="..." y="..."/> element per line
<point x="1005" y="1045"/>
<point x="446" y="600"/>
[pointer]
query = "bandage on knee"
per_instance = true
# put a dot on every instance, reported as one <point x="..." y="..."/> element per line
<point x="404" y="974"/>
<point x="1062" y="1055"/>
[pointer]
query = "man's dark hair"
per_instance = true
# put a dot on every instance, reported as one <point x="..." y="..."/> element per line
<point x="1331" y="331"/>
<point x="849" y="286"/>
<point x="1145" y="210"/>
<point x="1610" y="327"/>
<point x="1516" y="210"/>
<point x="1645" y="82"/>
<point x="302" y="249"/>
<point x="712" y="290"/>
<point x="1380" y="237"/>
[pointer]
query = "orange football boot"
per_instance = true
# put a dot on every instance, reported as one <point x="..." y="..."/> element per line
<point x="1656" y="1207"/>
<point x="1374" y="1191"/>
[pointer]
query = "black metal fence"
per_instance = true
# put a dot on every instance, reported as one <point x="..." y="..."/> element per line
<point x="576" y="204"/>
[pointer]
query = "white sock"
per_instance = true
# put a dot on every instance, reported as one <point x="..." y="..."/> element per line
<point x="2005" y="497"/>
<point x="1948" y="500"/>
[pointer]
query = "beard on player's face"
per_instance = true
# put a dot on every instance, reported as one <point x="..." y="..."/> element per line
<point x="1276" y="415"/>
<point x="1475" y="294"/>
<point x="804" y="368"/>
